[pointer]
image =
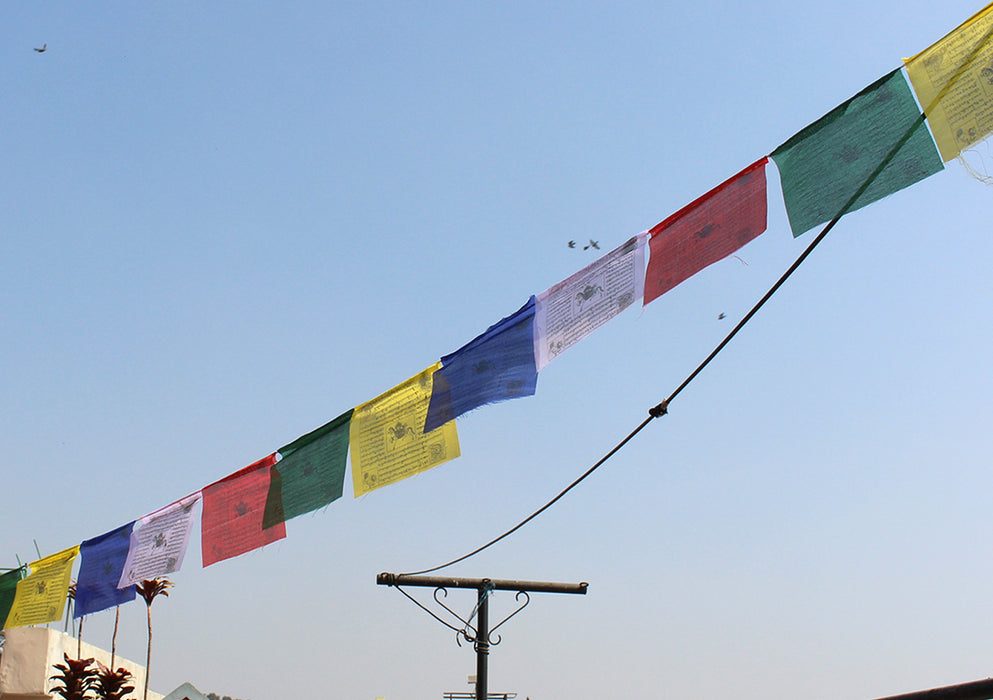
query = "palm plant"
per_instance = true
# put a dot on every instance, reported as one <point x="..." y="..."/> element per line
<point x="75" y="680"/>
<point x="149" y="589"/>
<point x="113" y="685"/>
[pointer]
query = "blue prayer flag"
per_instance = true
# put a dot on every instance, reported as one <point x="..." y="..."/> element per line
<point x="100" y="571"/>
<point x="495" y="366"/>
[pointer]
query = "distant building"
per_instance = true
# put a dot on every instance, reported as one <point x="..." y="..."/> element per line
<point x="186" y="692"/>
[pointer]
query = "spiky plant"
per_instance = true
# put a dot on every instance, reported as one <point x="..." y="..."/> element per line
<point x="149" y="590"/>
<point x="113" y="685"/>
<point x="75" y="680"/>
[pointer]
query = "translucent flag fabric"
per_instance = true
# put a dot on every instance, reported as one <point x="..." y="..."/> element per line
<point x="8" y="589"/>
<point x="823" y="166"/>
<point x="495" y="366"/>
<point x="101" y="565"/>
<point x="158" y="542"/>
<point x="707" y="230"/>
<point x="41" y="596"/>
<point x="963" y="62"/>
<point x="387" y="439"/>
<point x="311" y="473"/>
<point x="231" y="523"/>
<point x="577" y="306"/>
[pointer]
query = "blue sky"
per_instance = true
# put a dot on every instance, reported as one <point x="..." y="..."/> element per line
<point x="226" y="224"/>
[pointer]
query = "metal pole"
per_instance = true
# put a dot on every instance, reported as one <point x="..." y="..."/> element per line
<point x="483" y="587"/>
<point x="494" y="584"/>
<point x="482" y="640"/>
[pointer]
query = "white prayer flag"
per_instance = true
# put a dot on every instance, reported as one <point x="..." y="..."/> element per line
<point x="158" y="542"/>
<point x="574" y="308"/>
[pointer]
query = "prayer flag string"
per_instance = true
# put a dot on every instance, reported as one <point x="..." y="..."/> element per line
<point x="826" y="167"/>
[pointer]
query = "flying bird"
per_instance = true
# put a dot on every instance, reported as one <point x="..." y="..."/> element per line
<point x="42" y="49"/>
<point x="572" y="244"/>
<point x="721" y="316"/>
<point x="593" y="244"/>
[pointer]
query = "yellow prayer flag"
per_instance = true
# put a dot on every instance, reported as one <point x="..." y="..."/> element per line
<point x="41" y="596"/>
<point x="387" y="437"/>
<point x="953" y="79"/>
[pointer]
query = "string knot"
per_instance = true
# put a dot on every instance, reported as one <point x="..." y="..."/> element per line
<point x="660" y="410"/>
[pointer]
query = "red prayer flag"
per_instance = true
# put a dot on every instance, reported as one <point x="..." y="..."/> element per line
<point x="232" y="514"/>
<point x="708" y="230"/>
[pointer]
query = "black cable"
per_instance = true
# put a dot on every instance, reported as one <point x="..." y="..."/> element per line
<point x="540" y="510"/>
<point x="654" y="412"/>
<point x="662" y="408"/>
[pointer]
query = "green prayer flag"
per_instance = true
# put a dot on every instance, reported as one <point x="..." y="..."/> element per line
<point x="8" y="589"/>
<point x="823" y="166"/>
<point x="311" y="473"/>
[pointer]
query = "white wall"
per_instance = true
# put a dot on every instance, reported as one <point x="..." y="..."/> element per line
<point x="30" y="653"/>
